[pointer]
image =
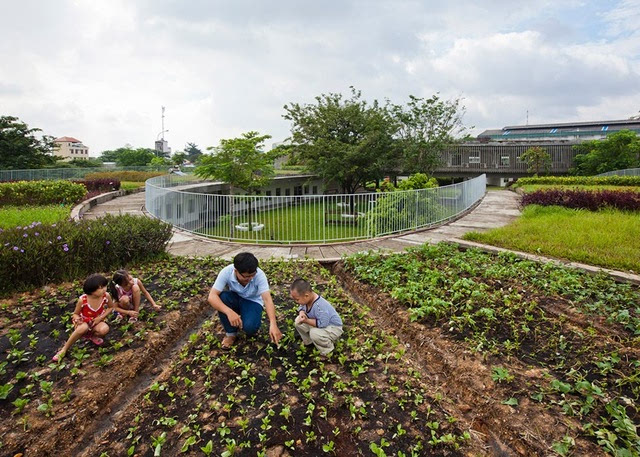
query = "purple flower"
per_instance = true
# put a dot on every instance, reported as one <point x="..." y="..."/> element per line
<point x="58" y="238"/>
<point x="36" y="234"/>
<point x="65" y="247"/>
<point x="15" y="248"/>
<point x="53" y="225"/>
<point x="108" y="242"/>
<point x="24" y="235"/>
<point x="21" y="250"/>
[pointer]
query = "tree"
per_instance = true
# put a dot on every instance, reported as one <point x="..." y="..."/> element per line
<point x="618" y="151"/>
<point x="193" y="152"/>
<point x="241" y="163"/>
<point x="425" y="126"/>
<point x="537" y="159"/>
<point x="20" y="149"/>
<point x="178" y="158"/>
<point x="345" y="141"/>
<point x="135" y="157"/>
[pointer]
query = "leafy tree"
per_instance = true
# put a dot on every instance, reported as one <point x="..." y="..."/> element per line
<point x="342" y="140"/>
<point x="193" y="152"/>
<point x="159" y="162"/>
<point x="178" y="158"/>
<point x="618" y="151"/>
<point x="537" y="159"/>
<point x="425" y="127"/>
<point x="134" y="157"/>
<point x="20" y="149"/>
<point x="241" y="163"/>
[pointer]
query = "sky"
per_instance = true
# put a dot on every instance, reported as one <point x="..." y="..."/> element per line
<point x="101" y="71"/>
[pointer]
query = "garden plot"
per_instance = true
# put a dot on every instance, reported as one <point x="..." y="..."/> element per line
<point x="444" y="353"/>
<point x="541" y="357"/>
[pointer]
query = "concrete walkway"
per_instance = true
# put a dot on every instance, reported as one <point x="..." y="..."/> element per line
<point x="498" y="208"/>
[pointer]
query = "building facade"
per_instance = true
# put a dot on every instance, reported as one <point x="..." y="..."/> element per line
<point x="70" y="148"/>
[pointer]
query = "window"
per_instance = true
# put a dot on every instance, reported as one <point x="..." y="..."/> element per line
<point x="315" y="190"/>
<point x="306" y="189"/>
<point x="456" y="160"/>
<point x="278" y="193"/>
<point x="178" y="210"/>
<point x="504" y="161"/>
<point x="191" y="206"/>
<point x="287" y="191"/>
<point x="297" y="190"/>
<point x="474" y="158"/>
<point x="268" y="193"/>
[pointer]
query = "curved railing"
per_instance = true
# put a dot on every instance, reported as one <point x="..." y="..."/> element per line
<point x="627" y="172"/>
<point x="179" y="200"/>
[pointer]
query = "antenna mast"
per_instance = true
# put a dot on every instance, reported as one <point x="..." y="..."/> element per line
<point x="163" y="123"/>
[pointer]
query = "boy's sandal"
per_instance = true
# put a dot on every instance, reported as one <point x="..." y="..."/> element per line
<point x="96" y="340"/>
<point x="227" y="342"/>
<point x="118" y="317"/>
<point x="133" y="319"/>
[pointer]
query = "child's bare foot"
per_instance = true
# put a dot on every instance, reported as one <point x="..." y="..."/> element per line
<point x="59" y="355"/>
<point x="227" y="342"/>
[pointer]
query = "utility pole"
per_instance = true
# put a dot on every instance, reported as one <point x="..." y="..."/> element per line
<point x="163" y="123"/>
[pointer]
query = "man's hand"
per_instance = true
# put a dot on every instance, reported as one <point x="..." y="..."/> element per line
<point x="275" y="333"/>
<point x="234" y="319"/>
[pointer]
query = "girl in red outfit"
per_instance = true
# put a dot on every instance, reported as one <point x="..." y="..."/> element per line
<point x="88" y="317"/>
<point x="127" y="292"/>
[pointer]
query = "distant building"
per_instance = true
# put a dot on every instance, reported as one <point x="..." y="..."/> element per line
<point x="70" y="148"/>
<point x="162" y="146"/>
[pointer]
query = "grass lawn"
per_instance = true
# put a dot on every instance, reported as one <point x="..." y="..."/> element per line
<point x="533" y="187"/>
<point x="606" y="238"/>
<point x="14" y="216"/>
<point x="130" y="185"/>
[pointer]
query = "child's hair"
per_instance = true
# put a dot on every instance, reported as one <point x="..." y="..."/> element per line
<point x="245" y="262"/>
<point x="301" y="286"/>
<point x="93" y="283"/>
<point x="119" y="277"/>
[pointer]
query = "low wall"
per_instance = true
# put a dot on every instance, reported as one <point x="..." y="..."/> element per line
<point x="78" y="211"/>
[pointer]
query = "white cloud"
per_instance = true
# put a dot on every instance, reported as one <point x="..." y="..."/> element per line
<point x="100" y="71"/>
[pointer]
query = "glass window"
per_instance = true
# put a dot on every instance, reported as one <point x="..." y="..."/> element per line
<point x="504" y="161"/>
<point x="278" y="193"/>
<point x="474" y="159"/>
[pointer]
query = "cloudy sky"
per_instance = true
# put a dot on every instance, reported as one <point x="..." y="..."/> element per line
<point x="100" y="71"/>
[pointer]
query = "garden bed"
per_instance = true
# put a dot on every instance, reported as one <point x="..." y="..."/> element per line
<point x="403" y="380"/>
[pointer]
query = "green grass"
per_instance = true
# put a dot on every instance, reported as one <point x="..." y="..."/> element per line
<point x="131" y="185"/>
<point x="606" y="238"/>
<point x="533" y="187"/>
<point x="14" y="216"/>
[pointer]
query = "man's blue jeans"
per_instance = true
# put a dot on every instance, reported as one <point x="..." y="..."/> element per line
<point x="250" y="312"/>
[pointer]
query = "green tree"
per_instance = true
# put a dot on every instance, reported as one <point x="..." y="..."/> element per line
<point x="425" y="127"/>
<point x="19" y="147"/>
<point x="135" y="157"/>
<point x="618" y="151"/>
<point x="346" y="141"/>
<point x="178" y="158"/>
<point x="193" y="152"/>
<point x="241" y="163"/>
<point x="537" y="159"/>
<point x="159" y="162"/>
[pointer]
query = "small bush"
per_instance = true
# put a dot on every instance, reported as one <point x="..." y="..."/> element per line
<point x="38" y="254"/>
<point x="584" y="199"/>
<point x="582" y="180"/>
<point x="100" y="184"/>
<point x="132" y="176"/>
<point x="40" y="192"/>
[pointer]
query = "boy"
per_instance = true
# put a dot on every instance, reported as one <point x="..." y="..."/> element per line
<point x="318" y="323"/>
<point x="239" y="294"/>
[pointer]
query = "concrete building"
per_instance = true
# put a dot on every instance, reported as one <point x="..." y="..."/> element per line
<point x="70" y="148"/>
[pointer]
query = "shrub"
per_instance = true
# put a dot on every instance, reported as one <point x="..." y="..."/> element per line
<point x="40" y="192"/>
<point x="582" y="180"/>
<point x="38" y="254"/>
<point x="584" y="199"/>
<point x="132" y="176"/>
<point x="100" y="184"/>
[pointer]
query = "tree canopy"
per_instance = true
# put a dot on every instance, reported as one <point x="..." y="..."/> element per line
<point x="618" y="151"/>
<point x="193" y="152"/>
<point x="537" y="159"/>
<point x="350" y="141"/>
<point x="343" y="140"/>
<point x="240" y="162"/>
<point x="20" y="148"/>
<point x="127" y="156"/>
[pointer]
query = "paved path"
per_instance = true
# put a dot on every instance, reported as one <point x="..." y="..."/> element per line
<point x="498" y="208"/>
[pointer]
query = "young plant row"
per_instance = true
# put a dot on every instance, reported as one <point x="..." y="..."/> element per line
<point x="583" y="330"/>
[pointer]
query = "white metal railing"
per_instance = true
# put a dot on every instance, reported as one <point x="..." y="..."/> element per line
<point x="305" y="218"/>
<point x="627" y="172"/>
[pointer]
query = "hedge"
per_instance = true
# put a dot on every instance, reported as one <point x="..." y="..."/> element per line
<point x="582" y="180"/>
<point x="584" y="199"/>
<point x="39" y="254"/>
<point x="100" y="184"/>
<point x="41" y="192"/>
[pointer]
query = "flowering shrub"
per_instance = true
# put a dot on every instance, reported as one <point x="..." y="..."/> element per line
<point x="133" y="176"/>
<point x="584" y="199"/>
<point x="100" y="184"/>
<point x="582" y="180"/>
<point x="38" y="254"/>
<point x="40" y="192"/>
